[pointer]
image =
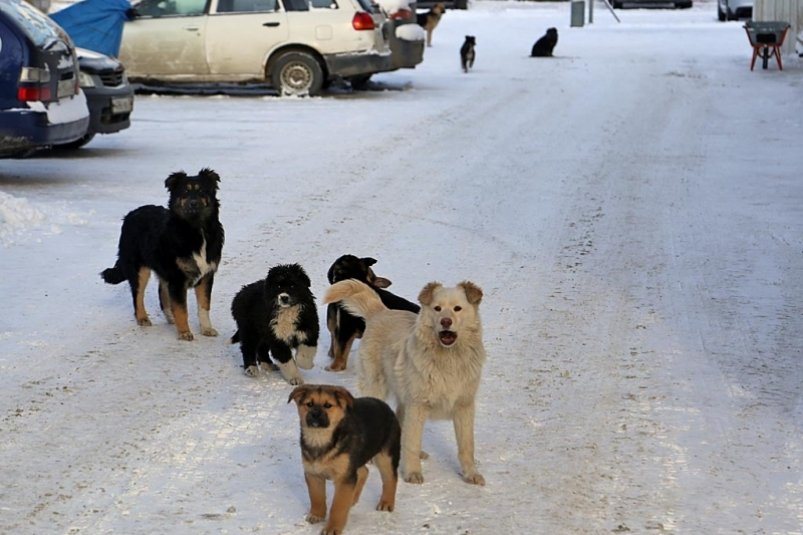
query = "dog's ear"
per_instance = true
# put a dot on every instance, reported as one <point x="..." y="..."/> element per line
<point x="298" y="393"/>
<point x="425" y="297"/>
<point x="304" y="276"/>
<point x="381" y="282"/>
<point x="368" y="261"/>
<point x="330" y="275"/>
<point x="343" y="397"/>
<point x="173" y="178"/>
<point x="211" y="176"/>
<point x="473" y="292"/>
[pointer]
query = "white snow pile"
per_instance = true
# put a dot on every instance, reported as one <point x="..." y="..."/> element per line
<point x="410" y="32"/>
<point x="16" y="215"/>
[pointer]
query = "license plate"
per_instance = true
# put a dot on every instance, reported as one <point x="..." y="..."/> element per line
<point x="66" y="88"/>
<point x="122" y="105"/>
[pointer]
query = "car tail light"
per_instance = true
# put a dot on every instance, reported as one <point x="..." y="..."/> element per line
<point x="34" y="85"/>
<point x="362" y="21"/>
<point x="402" y="14"/>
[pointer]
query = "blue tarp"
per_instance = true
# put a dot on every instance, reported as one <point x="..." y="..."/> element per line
<point x="95" y="24"/>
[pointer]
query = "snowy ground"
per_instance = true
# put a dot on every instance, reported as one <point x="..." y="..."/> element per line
<point x="632" y="209"/>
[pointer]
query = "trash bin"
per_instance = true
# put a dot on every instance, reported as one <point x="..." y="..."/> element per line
<point x="578" y="12"/>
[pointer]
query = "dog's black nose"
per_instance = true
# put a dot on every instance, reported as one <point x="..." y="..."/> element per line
<point x="284" y="299"/>
<point x="316" y="417"/>
<point x="446" y="323"/>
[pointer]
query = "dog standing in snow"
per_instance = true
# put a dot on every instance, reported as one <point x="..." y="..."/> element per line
<point x="467" y="53"/>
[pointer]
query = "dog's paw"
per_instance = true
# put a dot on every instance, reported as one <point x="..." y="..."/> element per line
<point x="252" y="371"/>
<point x="305" y="356"/>
<point x="415" y="478"/>
<point x="186" y="335"/>
<point x="144" y="322"/>
<point x="474" y="478"/>
<point x="208" y="331"/>
<point x="336" y="367"/>
<point x="314" y="519"/>
<point x="385" y="506"/>
<point x="295" y="381"/>
<point x="331" y="531"/>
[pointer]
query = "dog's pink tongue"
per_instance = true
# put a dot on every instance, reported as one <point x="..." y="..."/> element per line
<point x="448" y="337"/>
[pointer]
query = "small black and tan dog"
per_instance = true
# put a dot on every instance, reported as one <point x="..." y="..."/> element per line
<point x="544" y="46"/>
<point x="467" y="52"/>
<point x="182" y="244"/>
<point x="430" y="19"/>
<point x="340" y="434"/>
<point x="344" y="327"/>
<point x="275" y="316"/>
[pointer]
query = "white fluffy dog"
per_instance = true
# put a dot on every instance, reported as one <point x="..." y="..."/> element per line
<point x="431" y="362"/>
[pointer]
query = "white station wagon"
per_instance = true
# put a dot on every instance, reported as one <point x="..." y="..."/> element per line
<point x="295" y="45"/>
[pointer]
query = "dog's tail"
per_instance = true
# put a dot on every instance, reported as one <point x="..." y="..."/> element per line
<point x="357" y="297"/>
<point x="113" y="275"/>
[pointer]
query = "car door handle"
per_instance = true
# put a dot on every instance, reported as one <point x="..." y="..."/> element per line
<point x="270" y="24"/>
<point x="190" y="28"/>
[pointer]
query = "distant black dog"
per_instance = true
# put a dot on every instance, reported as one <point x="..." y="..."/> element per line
<point x="182" y="244"/>
<point x="546" y="44"/>
<point x="467" y="53"/>
<point x="275" y="316"/>
<point x="344" y="327"/>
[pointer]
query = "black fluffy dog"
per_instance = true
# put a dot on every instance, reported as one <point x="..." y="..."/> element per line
<point x="274" y="317"/>
<point x="467" y="53"/>
<point x="344" y="327"/>
<point x="546" y="44"/>
<point x="182" y="244"/>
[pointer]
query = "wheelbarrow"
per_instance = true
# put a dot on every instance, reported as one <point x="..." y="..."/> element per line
<point x="766" y="38"/>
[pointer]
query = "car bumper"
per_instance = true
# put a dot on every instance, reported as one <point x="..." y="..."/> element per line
<point x="109" y="109"/>
<point x="23" y="130"/>
<point x="406" y="54"/>
<point x="346" y="65"/>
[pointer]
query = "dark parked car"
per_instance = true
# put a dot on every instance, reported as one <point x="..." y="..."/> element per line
<point x="109" y="96"/>
<point x="41" y="103"/>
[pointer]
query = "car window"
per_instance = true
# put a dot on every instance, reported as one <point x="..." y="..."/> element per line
<point x="37" y="26"/>
<point x="247" y="6"/>
<point x="325" y="4"/>
<point x="163" y="8"/>
<point x="295" y="5"/>
<point x="369" y="6"/>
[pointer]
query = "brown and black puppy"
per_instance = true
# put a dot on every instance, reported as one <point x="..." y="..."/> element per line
<point x="430" y="20"/>
<point x="339" y="436"/>
<point x="182" y="244"/>
<point x="343" y="327"/>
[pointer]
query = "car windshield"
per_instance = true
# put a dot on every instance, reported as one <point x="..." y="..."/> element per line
<point x="37" y="26"/>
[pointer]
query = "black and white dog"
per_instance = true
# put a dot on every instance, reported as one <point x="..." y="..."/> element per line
<point x="276" y="316"/>
<point x="182" y="244"/>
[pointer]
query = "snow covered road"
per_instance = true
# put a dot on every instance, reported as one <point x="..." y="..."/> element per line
<point x="631" y="208"/>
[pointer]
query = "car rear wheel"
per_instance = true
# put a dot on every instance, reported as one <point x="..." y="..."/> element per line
<point x="297" y="74"/>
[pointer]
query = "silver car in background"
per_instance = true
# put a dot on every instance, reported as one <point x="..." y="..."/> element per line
<point x="734" y="9"/>
<point x="297" y="46"/>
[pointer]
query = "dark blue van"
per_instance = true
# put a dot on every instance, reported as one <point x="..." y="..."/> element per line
<point x="41" y="103"/>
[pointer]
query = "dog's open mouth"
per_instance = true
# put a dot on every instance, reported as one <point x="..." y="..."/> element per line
<point x="447" y="338"/>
